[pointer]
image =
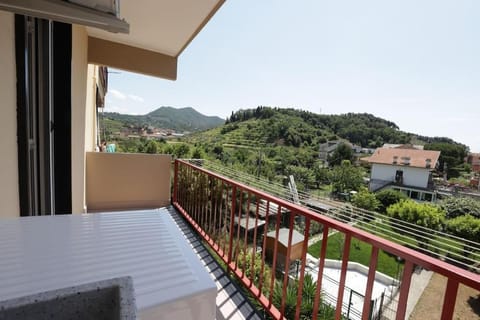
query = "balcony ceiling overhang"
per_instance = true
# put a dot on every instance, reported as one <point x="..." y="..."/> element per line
<point x="159" y="32"/>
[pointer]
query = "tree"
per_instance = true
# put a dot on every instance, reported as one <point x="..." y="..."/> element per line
<point x="304" y="177"/>
<point x="420" y="214"/>
<point x="388" y="197"/>
<point x="197" y="153"/>
<point x="345" y="177"/>
<point x="320" y="173"/>
<point x="342" y="152"/>
<point x="455" y="207"/>
<point x="365" y="200"/>
<point x="466" y="227"/>
<point x="151" y="147"/>
<point x="452" y="155"/>
<point x="181" y="150"/>
<point x="218" y="151"/>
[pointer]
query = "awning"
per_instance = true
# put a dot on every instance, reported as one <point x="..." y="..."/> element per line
<point x="159" y="32"/>
<point x="66" y="12"/>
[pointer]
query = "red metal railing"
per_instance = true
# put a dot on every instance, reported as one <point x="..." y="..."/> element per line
<point x="247" y="227"/>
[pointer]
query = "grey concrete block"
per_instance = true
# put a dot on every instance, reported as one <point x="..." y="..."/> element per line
<point x="110" y="299"/>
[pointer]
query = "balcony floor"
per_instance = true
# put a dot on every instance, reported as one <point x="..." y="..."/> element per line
<point x="231" y="302"/>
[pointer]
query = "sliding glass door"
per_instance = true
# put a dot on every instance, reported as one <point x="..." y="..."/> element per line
<point x="43" y="56"/>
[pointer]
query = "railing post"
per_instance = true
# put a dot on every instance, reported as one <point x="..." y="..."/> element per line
<point x="370" y="281"/>
<point x="449" y="299"/>
<point x="343" y="275"/>
<point x="175" y="181"/>
<point x="404" y="289"/>
<point x="232" y="221"/>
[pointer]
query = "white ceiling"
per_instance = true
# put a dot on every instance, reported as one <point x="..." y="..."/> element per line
<point x="163" y="26"/>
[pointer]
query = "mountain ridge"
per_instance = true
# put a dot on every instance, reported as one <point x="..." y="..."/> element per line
<point x="295" y="127"/>
<point x="166" y="117"/>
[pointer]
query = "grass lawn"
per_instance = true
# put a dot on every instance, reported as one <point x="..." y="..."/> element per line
<point x="444" y="246"/>
<point x="359" y="252"/>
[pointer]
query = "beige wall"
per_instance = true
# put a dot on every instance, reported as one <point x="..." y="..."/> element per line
<point x="90" y="117"/>
<point x="79" y="102"/>
<point x="121" y="181"/>
<point x="9" y="202"/>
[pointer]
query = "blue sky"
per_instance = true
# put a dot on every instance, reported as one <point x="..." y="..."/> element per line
<point x="416" y="63"/>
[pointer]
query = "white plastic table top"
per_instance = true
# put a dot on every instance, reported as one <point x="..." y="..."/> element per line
<point x="38" y="254"/>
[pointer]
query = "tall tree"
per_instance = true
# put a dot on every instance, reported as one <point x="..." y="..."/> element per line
<point x="451" y="156"/>
<point x="345" y="177"/>
<point x="342" y="152"/>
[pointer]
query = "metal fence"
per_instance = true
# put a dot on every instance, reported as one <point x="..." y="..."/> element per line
<point x="255" y="244"/>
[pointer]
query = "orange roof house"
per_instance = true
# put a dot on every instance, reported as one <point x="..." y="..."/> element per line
<point x="404" y="169"/>
<point x="405" y="157"/>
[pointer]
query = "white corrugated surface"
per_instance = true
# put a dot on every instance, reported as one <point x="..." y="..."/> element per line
<point x="45" y="253"/>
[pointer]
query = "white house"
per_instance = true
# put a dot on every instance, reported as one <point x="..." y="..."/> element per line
<point x="404" y="169"/>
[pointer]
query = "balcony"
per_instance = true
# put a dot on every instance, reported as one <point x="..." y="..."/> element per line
<point x="255" y="245"/>
<point x="263" y="241"/>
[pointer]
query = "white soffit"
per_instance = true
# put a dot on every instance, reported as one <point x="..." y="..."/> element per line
<point x="163" y="26"/>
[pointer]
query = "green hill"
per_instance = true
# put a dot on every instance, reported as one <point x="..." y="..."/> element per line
<point x="292" y="127"/>
<point x="297" y="128"/>
<point x="278" y="142"/>
<point x="274" y="142"/>
<point x="182" y="119"/>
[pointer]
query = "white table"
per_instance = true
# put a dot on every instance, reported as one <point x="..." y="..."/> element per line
<point x="51" y="252"/>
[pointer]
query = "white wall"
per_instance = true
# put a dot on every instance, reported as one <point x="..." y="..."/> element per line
<point x="9" y="201"/>
<point x="416" y="177"/>
<point x="79" y="102"/>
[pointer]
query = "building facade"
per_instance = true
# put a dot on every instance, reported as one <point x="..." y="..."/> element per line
<point x="50" y="57"/>
<point x="404" y="169"/>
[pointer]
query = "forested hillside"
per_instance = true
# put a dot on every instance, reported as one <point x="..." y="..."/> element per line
<point x="292" y="127"/>
<point x="183" y="119"/>
<point x="275" y="142"/>
<point x="297" y="126"/>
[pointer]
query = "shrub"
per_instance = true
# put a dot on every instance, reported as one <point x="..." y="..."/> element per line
<point x="365" y="200"/>
<point x="388" y="197"/>
<point x="455" y="207"/>
<point x="466" y="227"/>
<point x="420" y="214"/>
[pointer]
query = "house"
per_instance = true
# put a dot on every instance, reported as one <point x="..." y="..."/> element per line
<point x="473" y="159"/>
<point x="327" y="148"/>
<point x="404" y="169"/>
<point x="403" y="146"/>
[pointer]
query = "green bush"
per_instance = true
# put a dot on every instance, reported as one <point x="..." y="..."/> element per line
<point x="388" y="197"/>
<point x="365" y="200"/>
<point x="419" y="214"/>
<point x="455" y="207"/>
<point x="466" y="227"/>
